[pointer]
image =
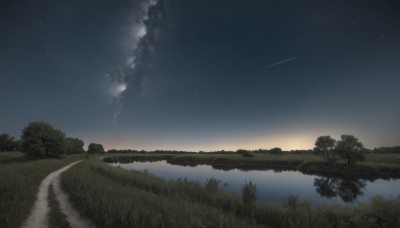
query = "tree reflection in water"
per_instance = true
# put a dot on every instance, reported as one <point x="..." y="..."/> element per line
<point x="348" y="189"/>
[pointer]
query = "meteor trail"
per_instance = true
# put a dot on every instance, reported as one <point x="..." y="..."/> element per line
<point x="283" y="61"/>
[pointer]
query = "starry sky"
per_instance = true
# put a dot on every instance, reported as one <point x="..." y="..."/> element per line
<point x="202" y="75"/>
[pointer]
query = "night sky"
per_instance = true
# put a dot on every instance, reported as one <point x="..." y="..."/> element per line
<point x="202" y="75"/>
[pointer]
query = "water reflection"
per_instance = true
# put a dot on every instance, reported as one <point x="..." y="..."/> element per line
<point x="348" y="189"/>
<point x="274" y="185"/>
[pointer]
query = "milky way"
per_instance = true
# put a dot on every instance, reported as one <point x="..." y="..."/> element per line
<point x="145" y="17"/>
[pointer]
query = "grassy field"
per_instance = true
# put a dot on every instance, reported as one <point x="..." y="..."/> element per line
<point x="19" y="183"/>
<point x="375" y="165"/>
<point x="114" y="197"/>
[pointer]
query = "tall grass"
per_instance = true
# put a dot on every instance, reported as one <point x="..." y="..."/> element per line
<point x="114" y="197"/>
<point x="19" y="183"/>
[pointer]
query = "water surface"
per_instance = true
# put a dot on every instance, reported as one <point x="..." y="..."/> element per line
<point x="276" y="186"/>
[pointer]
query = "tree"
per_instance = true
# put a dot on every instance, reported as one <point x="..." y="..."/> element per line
<point x="74" y="146"/>
<point x="325" y="145"/>
<point x="245" y="153"/>
<point x="350" y="149"/>
<point x="7" y="143"/>
<point x="95" y="148"/>
<point x="41" y="140"/>
<point x="276" y="150"/>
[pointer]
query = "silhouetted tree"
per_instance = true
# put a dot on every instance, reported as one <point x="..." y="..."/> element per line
<point x="7" y="143"/>
<point x="325" y="145"/>
<point x="276" y="150"/>
<point x="245" y="153"/>
<point x="95" y="148"/>
<point x="350" y="149"/>
<point x="41" y="140"/>
<point x="74" y="146"/>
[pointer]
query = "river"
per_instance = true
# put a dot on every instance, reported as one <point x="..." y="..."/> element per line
<point x="278" y="186"/>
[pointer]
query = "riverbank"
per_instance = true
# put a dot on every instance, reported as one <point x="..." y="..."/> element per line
<point x="114" y="197"/>
<point x="375" y="165"/>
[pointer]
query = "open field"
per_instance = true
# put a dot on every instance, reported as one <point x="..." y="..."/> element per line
<point x="19" y="183"/>
<point x="375" y="165"/>
<point x="114" y="197"/>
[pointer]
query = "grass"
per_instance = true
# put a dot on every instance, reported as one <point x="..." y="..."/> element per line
<point x="57" y="219"/>
<point x="114" y="197"/>
<point x="384" y="158"/>
<point x="19" y="182"/>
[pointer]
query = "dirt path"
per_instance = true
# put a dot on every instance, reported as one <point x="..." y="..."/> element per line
<point x="39" y="213"/>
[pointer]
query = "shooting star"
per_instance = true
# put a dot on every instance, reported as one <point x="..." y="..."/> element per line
<point x="283" y="61"/>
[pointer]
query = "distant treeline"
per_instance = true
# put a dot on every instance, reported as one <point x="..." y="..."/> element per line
<point x="276" y="150"/>
<point x="386" y="150"/>
<point x="129" y="151"/>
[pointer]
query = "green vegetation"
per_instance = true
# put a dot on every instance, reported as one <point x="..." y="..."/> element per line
<point x="325" y="145"/>
<point x="95" y="148"/>
<point x="249" y="194"/>
<point x="19" y="182"/>
<point x="57" y="219"/>
<point x="74" y="146"/>
<point x="114" y="197"/>
<point x="41" y="140"/>
<point x="387" y="150"/>
<point x="7" y="143"/>
<point x="350" y="149"/>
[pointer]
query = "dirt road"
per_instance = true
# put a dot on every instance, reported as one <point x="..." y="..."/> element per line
<point x="39" y="213"/>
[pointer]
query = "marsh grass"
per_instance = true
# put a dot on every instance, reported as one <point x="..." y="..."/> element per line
<point x="19" y="183"/>
<point x="114" y="197"/>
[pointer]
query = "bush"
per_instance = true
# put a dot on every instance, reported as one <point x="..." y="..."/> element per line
<point x="249" y="193"/>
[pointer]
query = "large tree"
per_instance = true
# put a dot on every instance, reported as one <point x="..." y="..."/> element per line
<point x="41" y="140"/>
<point x="74" y="146"/>
<point x="325" y="145"/>
<point x="350" y="149"/>
<point x="95" y="148"/>
<point x="7" y="143"/>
